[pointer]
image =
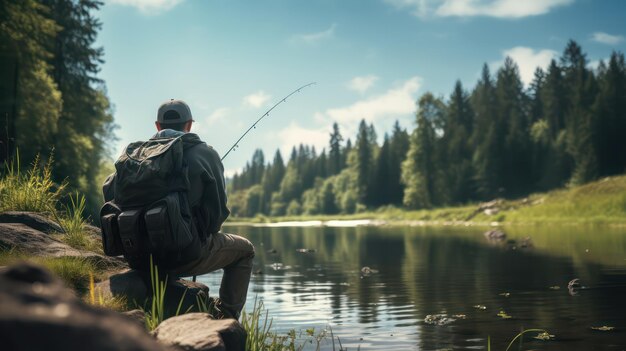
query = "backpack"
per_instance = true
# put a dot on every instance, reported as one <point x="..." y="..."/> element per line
<point x="150" y="214"/>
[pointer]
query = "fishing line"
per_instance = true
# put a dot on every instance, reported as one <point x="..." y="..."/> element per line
<point x="267" y="113"/>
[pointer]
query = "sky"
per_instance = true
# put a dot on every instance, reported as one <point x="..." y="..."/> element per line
<point x="231" y="60"/>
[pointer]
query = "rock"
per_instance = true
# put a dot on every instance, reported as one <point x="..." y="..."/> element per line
<point x="136" y="316"/>
<point x="574" y="286"/>
<point x="135" y="286"/>
<point x="31" y="219"/>
<point x="438" y="319"/>
<point x="38" y="313"/>
<point x="33" y="242"/>
<point x="198" y="332"/>
<point x="495" y="234"/>
<point x="491" y="211"/>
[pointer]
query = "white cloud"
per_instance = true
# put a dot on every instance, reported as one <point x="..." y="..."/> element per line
<point x="294" y="135"/>
<point x="149" y="7"/>
<point x="419" y="8"/>
<point x="395" y="102"/>
<point x="257" y="99"/>
<point x="312" y="38"/>
<point x="217" y="115"/>
<point x="527" y="60"/>
<point x="606" y="38"/>
<point x="361" y="84"/>
<point x="490" y="8"/>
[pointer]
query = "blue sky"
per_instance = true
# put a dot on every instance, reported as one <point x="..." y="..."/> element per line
<point x="231" y="60"/>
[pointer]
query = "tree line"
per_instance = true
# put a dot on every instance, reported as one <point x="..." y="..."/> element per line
<point x="498" y="140"/>
<point x="50" y="96"/>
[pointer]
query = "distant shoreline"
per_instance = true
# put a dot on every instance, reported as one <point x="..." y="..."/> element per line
<point x="598" y="203"/>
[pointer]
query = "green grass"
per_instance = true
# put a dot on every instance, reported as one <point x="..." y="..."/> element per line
<point x="35" y="191"/>
<point x="599" y="202"/>
<point x="74" y="271"/>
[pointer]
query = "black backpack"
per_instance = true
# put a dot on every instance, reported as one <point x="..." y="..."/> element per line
<point x="150" y="213"/>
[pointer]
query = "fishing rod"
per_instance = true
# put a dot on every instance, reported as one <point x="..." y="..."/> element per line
<point x="267" y="113"/>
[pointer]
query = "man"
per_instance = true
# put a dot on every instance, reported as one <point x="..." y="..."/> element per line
<point x="207" y="198"/>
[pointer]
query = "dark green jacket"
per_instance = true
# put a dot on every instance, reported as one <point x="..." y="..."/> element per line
<point x="207" y="191"/>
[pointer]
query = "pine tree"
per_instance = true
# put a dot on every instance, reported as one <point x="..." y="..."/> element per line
<point x="610" y="111"/>
<point x="399" y="146"/>
<point x="335" y="161"/>
<point x="379" y="191"/>
<point x="487" y="138"/>
<point x="364" y="161"/>
<point x="515" y="124"/>
<point x="454" y="152"/>
<point x="418" y="170"/>
<point x="30" y="102"/>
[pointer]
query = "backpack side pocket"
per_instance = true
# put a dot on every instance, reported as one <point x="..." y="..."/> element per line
<point x="111" y="240"/>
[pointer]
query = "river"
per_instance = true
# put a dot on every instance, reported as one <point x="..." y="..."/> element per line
<point x="315" y="277"/>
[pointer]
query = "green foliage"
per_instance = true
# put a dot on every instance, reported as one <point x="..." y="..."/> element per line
<point x="419" y="169"/>
<point x="51" y="97"/>
<point x="74" y="271"/>
<point x="258" y="326"/>
<point x="156" y="314"/>
<point x="499" y="140"/>
<point x="33" y="190"/>
<point x="73" y="224"/>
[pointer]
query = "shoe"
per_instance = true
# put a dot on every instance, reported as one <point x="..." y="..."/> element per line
<point x="219" y="311"/>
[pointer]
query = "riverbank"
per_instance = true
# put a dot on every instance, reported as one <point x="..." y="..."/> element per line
<point x="599" y="202"/>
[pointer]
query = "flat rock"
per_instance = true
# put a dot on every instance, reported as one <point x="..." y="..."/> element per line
<point x="31" y="219"/>
<point x="33" y="242"/>
<point x="198" y="332"/>
<point x="135" y="286"/>
<point x="37" y="312"/>
<point x="137" y="316"/>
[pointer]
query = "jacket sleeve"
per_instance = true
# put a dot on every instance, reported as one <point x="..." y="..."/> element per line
<point x="214" y="194"/>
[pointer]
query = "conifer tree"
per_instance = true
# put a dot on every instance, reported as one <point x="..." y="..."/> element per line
<point x="399" y="146"/>
<point x="335" y="160"/>
<point x="419" y="169"/>
<point x="364" y="161"/>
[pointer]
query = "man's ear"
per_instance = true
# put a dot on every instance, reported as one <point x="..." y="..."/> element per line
<point x="158" y="126"/>
<point x="188" y="126"/>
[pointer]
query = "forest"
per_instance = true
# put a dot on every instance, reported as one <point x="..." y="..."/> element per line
<point x="498" y="140"/>
<point x="52" y="105"/>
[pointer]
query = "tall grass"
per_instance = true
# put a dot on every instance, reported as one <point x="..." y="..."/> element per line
<point x="36" y="191"/>
<point x="97" y="298"/>
<point x="73" y="223"/>
<point x="518" y="336"/>
<point x="156" y="314"/>
<point x="74" y="271"/>
<point x="33" y="190"/>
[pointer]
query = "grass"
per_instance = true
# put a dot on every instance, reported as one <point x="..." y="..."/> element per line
<point x="33" y="190"/>
<point x="156" y="314"/>
<point x="520" y="337"/>
<point x="261" y="337"/>
<point x="96" y="298"/>
<point x="36" y="191"/>
<point x="599" y="202"/>
<point x="74" y="271"/>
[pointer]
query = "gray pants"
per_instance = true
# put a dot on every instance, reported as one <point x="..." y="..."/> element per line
<point x="232" y="253"/>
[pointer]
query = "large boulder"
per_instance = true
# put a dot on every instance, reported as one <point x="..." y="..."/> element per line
<point x="198" y="332"/>
<point x="136" y="287"/>
<point x="31" y="219"/>
<point x="38" y="313"/>
<point x="33" y="242"/>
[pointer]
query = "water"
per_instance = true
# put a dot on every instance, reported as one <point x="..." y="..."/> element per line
<point x="424" y="271"/>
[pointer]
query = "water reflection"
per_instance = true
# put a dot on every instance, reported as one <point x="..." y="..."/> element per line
<point x="422" y="271"/>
